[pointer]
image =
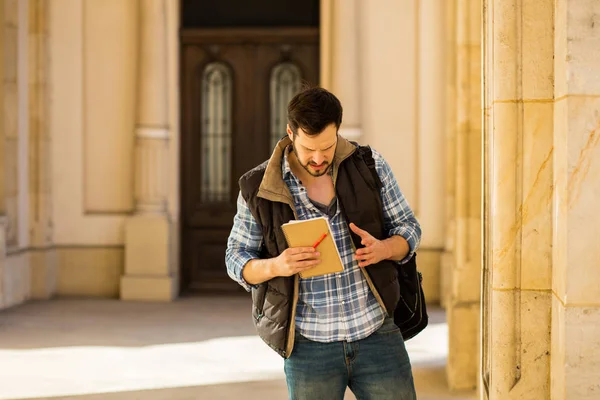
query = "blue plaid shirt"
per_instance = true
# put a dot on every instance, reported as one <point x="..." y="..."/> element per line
<point x="338" y="306"/>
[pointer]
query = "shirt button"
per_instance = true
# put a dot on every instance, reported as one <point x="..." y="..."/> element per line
<point x="343" y="302"/>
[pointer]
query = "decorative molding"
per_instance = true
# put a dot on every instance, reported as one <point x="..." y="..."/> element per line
<point x="152" y="133"/>
<point x="250" y="35"/>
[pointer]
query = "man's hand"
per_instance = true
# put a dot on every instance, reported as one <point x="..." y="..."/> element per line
<point x="290" y="262"/>
<point x="374" y="251"/>
<point x="294" y="260"/>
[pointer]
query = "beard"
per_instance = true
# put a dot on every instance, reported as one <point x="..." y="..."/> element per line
<point x="316" y="173"/>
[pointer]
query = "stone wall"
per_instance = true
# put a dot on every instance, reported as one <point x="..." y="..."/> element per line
<point x="575" y="252"/>
<point x="541" y="318"/>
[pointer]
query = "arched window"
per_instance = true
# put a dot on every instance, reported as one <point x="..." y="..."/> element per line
<point x="216" y="133"/>
<point x="285" y="83"/>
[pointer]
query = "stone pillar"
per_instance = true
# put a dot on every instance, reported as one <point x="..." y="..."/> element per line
<point x="464" y="142"/>
<point x="2" y="147"/>
<point x="575" y="252"/>
<point x="10" y="27"/>
<point x="340" y="62"/>
<point x="148" y="272"/>
<point x="14" y="229"/>
<point x="2" y="157"/>
<point x="518" y="218"/>
<point x="44" y="269"/>
<point x="428" y="167"/>
<point x="451" y="54"/>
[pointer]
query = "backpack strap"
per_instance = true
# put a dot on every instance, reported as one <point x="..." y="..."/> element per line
<point x="366" y="154"/>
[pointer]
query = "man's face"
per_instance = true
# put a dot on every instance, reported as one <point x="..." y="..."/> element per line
<point x="315" y="153"/>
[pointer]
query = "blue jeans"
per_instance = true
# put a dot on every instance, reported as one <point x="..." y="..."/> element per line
<point x="375" y="368"/>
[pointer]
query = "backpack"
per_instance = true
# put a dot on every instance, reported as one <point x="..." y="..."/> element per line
<point x="410" y="314"/>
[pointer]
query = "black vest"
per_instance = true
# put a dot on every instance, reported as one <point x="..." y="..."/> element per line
<point x="358" y="193"/>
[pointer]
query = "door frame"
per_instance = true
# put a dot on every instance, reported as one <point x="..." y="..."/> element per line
<point x="216" y="36"/>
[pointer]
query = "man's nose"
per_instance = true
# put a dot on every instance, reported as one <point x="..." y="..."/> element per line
<point x="318" y="158"/>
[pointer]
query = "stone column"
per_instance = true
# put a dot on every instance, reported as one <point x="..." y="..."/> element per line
<point x="44" y="268"/>
<point x="14" y="228"/>
<point x="340" y="64"/>
<point x="463" y="292"/>
<point x="148" y="273"/>
<point x="2" y="158"/>
<point x="2" y="147"/>
<point x="451" y="54"/>
<point x="575" y="252"/>
<point x="518" y="218"/>
<point x="10" y="159"/>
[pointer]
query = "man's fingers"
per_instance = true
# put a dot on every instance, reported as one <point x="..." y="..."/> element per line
<point x="357" y="230"/>
<point x="364" y="250"/>
<point x="299" y="250"/>
<point x="309" y="263"/>
<point x="304" y="265"/>
<point x="366" y="237"/>
<point x="305" y="256"/>
<point x="364" y="257"/>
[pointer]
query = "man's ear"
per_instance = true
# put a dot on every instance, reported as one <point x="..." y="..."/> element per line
<point x="289" y="132"/>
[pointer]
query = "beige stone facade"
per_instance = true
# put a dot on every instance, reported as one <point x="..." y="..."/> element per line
<point x="540" y="313"/>
<point x="487" y="110"/>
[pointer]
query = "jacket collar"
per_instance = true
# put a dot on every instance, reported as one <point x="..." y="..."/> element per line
<point x="274" y="188"/>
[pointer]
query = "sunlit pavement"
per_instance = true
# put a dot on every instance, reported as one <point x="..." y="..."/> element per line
<point x="193" y="348"/>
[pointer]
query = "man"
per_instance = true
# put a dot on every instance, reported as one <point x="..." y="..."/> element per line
<point x="334" y="331"/>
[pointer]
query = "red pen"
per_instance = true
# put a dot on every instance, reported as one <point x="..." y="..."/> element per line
<point x="318" y="242"/>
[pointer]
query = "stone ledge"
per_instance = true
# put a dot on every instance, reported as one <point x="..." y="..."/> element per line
<point x="148" y="288"/>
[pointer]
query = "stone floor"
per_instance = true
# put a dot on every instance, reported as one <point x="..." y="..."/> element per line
<point x="193" y="348"/>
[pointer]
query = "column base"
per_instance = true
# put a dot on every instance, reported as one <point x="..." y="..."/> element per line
<point x="463" y="367"/>
<point x="44" y="274"/>
<point x="148" y="288"/>
<point x="446" y="271"/>
<point x="148" y="275"/>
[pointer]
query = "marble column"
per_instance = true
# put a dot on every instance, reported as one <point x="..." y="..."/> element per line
<point x="340" y="63"/>
<point x="148" y="272"/>
<point x="575" y="371"/>
<point x="464" y="143"/>
<point x="518" y="213"/>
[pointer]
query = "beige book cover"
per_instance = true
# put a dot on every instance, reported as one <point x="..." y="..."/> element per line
<point x="305" y="233"/>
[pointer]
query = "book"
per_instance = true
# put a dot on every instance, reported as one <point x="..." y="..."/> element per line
<point x="306" y="233"/>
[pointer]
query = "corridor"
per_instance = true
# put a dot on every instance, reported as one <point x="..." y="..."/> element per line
<point x="193" y="348"/>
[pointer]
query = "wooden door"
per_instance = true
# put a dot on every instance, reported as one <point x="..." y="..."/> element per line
<point x="235" y="85"/>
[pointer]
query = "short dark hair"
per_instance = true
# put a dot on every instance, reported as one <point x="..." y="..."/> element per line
<point x="313" y="109"/>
